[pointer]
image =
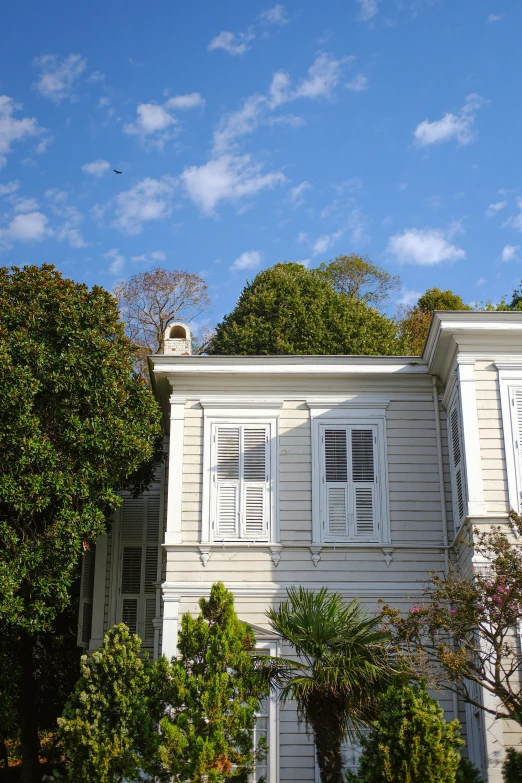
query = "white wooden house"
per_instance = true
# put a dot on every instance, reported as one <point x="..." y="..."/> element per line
<point x="354" y="472"/>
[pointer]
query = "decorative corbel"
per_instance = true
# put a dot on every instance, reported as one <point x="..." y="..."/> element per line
<point x="315" y="554"/>
<point x="205" y="553"/>
<point x="387" y="552"/>
<point x="276" y="555"/>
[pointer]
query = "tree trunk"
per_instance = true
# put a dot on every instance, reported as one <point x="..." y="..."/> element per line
<point x="327" y="725"/>
<point x="28" y="719"/>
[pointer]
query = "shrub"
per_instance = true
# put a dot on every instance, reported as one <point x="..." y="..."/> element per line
<point x="467" y="773"/>
<point x="512" y="767"/>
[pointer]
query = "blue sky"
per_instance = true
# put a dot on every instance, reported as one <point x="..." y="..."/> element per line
<point x="250" y="133"/>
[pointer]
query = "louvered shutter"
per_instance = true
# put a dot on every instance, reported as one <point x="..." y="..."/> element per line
<point x="459" y="498"/>
<point x="516" y="418"/>
<point x="86" y="598"/>
<point x="363" y="483"/>
<point x="227" y="474"/>
<point x="254" y="522"/>
<point x="150" y="570"/>
<point x="335" y="444"/>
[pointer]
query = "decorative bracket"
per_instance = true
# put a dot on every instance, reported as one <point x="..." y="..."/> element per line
<point x="387" y="552"/>
<point x="276" y="555"/>
<point x="316" y="554"/>
<point x="205" y="553"/>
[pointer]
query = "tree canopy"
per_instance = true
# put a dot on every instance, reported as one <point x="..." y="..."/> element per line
<point x="415" y="321"/>
<point x="288" y="309"/>
<point x="358" y="278"/>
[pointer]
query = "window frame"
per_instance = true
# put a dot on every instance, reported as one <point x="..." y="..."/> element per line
<point x="235" y="416"/>
<point x="271" y="647"/>
<point x="455" y="403"/>
<point x="510" y="378"/>
<point x="375" y="419"/>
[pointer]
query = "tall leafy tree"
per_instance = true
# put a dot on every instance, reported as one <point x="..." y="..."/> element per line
<point x="358" y="278"/>
<point x="415" y="321"/>
<point x="410" y="742"/>
<point x="76" y="425"/>
<point x="289" y="309"/>
<point x="217" y="686"/>
<point x="343" y="666"/>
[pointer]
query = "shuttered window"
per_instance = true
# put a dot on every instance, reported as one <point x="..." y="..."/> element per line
<point x="516" y="422"/>
<point x="86" y="598"/>
<point x="140" y="532"/>
<point x="457" y="466"/>
<point x="349" y="507"/>
<point x="240" y="482"/>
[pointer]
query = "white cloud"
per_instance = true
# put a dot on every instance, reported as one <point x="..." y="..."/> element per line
<point x="42" y="146"/>
<point x="494" y="208"/>
<point x="118" y="261"/>
<point x="368" y="9"/>
<point x="325" y="242"/>
<point x="425" y="246"/>
<point x="233" y="43"/>
<point x="75" y="239"/>
<point x="97" y="167"/>
<point x="285" y="119"/>
<point x="358" y="83"/>
<point x="8" y="188"/>
<point x="149" y="200"/>
<point x="227" y="178"/>
<point x="451" y="126"/>
<point x="481" y="281"/>
<point x="276" y="15"/>
<point x="157" y="119"/>
<point x="494" y="18"/>
<point x="72" y="217"/>
<point x="323" y="76"/>
<point x="515" y="221"/>
<point x="239" y="123"/>
<point x="248" y="260"/>
<point x="156" y="256"/>
<point x="13" y="129"/>
<point x="57" y="79"/>
<point x="296" y="195"/>
<point x="408" y="297"/>
<point x="25" y="205"/>
<point x="511" y="253"/>
<point x="25" y="227"/>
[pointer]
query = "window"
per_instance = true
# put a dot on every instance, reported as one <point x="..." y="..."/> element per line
<point x="267" y="720"/>
<point x="261" y="733"/>
<point x="241" y="500"/>
<point x="458" y="483"/>
<point x="86" y="598"/>
<point x="140" y="523"/>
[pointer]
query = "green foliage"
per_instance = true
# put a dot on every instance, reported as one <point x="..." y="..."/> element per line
<point x="467" y="772"/>
<point x="109" y="726"/>
<point x="216" y="691"/>
<point x="512" y="767"/>
<point x="358" y="278"/>
<point x="75" y="425"/>
<point x="435" y="299"/>
<point x="462" y="632"/>
<point x="414" y="322"/>
<point x="410" y="742"/>
<point x="289" y="309"/>
<point x="343" y="666"/>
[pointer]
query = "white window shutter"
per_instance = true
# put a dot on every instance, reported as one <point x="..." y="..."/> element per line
<point x="364" y="483"/>
<point x="459" y="497"/>
<point x="227" y="473"/>
<point x="86" y="598"/>
<point x="255" y="479"/>
<point x="516" y="403"/>
<point x="336" y="483"/>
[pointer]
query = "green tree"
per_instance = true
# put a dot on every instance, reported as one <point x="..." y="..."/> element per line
<point x="358" y="278"/>
<point x="512" y="767"/>
<point x="289" y="309"/>
<point x="410" y="742"/>
<point x="76" y="425"/>
<point x="462" y="636"/>
<point x="109" y="726"/>
<point x="217" y="687"/>
<point x="414" y="322"/>
<point x="342" y="666"/>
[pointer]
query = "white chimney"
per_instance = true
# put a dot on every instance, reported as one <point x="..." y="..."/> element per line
<point x="177" y="339"/>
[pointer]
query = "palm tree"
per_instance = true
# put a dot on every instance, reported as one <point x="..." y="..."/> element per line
<point x="343" y="665"/>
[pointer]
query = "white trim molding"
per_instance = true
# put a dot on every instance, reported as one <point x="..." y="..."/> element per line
<point x="169" y="640"/>
<point x="173" y="533"/>
<point x="510" y="378"/>
<point x="470" y="435"/>
<point x="277" y="591"/>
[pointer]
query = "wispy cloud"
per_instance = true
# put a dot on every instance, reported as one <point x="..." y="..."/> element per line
<point x="250" y="259"/>
<point x="148" y="201"/>
<point x="117" y="261"/>
<point x="458" y="127"/>
<point x="494" y="18"/>
<point x="236" y="44"/>
<point x="425" y="246"/>
<point x="276" y="15"/>
<point x="408" y="297"/>
<point x="367" y="9"/>
<point x="156" y="257"/>
<point x="511" y="253"/>
<point x="13" y="129"/>
<point x="492" y="210"/>
<point x="157" y="121"/>
<point x="97" y="168"/>
<point x="227" y="178"/>
<point x="68" y="231"/>
<point x="358" y="84"/>
<point x="58" y="77"/>
<point x="325" y="242"/>
<point x="296" y="194"/>
<point x="515" y="221"/>
<point x="8" y="188"/>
